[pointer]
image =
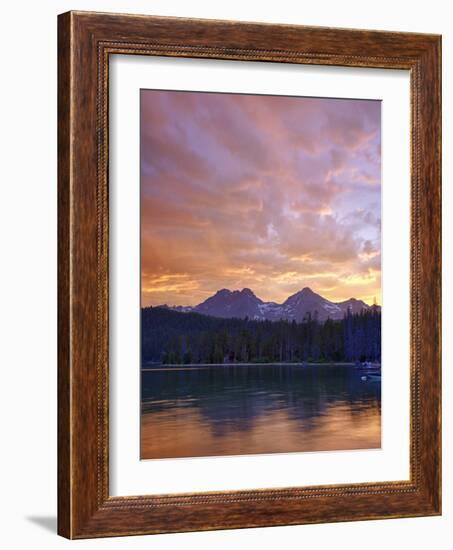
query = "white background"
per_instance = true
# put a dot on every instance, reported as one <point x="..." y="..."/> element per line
<point x="130" y="476"/>
<point x="28" y="274"/>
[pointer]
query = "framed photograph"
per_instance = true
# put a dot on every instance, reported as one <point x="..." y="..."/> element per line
<point x="249" y="275"/>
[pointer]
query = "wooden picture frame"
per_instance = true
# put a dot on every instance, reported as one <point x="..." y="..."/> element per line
<point x="85" y="42"/>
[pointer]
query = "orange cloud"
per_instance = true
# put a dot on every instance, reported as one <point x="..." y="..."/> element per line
<point x="267" y="192"/>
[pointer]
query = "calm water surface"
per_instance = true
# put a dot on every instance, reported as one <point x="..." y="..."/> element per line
<point x="229" y="410"/>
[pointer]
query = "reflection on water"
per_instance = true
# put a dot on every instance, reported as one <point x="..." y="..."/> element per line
<point x="229" y="410"/>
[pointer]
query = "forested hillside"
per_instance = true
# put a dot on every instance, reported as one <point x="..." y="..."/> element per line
<point x="172" y="337"/>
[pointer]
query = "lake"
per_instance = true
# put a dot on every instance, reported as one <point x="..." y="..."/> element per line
<point x="253" y="409"/>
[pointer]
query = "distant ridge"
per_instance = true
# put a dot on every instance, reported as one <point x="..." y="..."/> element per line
<point x="244" y="303"/>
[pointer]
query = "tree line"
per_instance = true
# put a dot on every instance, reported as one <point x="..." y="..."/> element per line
<point x="171" y="337"/>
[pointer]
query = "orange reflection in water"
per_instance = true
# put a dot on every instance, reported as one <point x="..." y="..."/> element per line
<point x="185" y="432"/>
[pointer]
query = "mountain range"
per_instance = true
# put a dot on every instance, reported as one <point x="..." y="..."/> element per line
<point x="244" y="303"/>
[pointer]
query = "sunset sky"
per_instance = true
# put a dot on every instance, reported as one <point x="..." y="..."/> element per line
<point x="271" y="193"/>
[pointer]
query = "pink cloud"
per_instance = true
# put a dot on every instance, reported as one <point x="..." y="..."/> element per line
<point x="238" y="190"/>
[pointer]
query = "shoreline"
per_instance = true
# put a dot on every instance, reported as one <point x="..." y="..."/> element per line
<point x="161" y="366"/>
